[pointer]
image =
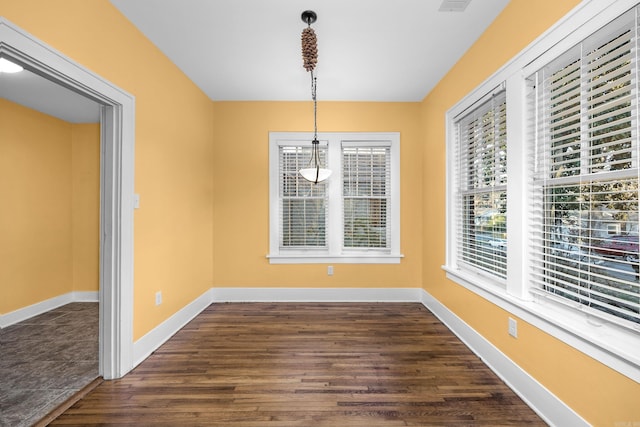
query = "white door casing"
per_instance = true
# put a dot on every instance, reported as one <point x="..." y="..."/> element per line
<point x="116" y="186"/>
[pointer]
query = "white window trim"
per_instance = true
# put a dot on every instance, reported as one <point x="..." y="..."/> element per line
<point x="611" y="344"/>
<point x="335" y="253"/>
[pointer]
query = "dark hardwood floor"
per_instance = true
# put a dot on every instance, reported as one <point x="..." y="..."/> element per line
<point x="311" y="364"/>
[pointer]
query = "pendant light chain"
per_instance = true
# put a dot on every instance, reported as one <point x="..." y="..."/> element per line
<point x="314" y="87"/>
<point x="315" y="152"/>
<point x="314" y="172"/>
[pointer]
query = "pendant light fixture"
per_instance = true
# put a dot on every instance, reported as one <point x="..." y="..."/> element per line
<point x="313" y="172"/>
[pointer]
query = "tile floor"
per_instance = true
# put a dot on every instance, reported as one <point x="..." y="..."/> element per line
<point x="45" y="360"/>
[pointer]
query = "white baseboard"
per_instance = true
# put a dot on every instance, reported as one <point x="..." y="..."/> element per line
<point x="316" y="294"/>
<point x="161" y="333"/>
<point x="86" y="296"/>
<point x="33" y="310"/>
<point x="551" y="409"/>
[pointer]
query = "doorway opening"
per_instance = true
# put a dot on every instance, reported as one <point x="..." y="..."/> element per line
<point x="117" y="120"/>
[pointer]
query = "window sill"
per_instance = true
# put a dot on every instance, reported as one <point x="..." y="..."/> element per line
<point x="610" y="344"/>
<point x="334" y="259"/>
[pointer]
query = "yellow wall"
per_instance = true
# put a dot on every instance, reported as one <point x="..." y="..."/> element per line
<point x="600" y="395"/>
<point x="179" y="170"/>
<point x="49" y="220"/>
<point x="173" y="153"/>
<point x="241" y="211"/>
<point x="35" y="214"/>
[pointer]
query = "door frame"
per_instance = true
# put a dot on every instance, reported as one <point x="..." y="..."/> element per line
<point x="117" y="139"/>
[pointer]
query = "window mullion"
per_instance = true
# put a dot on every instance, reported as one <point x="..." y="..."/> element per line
<point x="334" y="190"/>
<point x="517" y="246"/>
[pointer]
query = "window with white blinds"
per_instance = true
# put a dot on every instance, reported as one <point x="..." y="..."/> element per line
<point x="481" y="229"/>
<point x="303" y="205"/>
<point x="584" y="160"/>
<point x="366" y="178"/>
<point x="353" y="217"/>
<point x="567" y="128"/>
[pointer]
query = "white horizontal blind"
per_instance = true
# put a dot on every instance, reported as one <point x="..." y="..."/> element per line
<point x="481" y="177"/>
<point x="366" y="183"/>
<point x="585" y="166"/>
<point x="303" y="205"/>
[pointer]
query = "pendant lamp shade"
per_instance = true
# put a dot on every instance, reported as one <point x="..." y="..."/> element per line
<point x="314" y="172"/>
<point x="315" y="175"/>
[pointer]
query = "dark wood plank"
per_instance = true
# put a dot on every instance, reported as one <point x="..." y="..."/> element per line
<point x="58" y="410"/>
<point x="294" y="364"/>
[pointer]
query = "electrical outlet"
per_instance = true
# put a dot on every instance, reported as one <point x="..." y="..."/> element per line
<point x="513" y="327"/>
<point x="158" y="297"/>
<point x="330" y="270"/>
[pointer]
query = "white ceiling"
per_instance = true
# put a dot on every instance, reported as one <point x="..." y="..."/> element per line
<point x="369" y="50"/>
<point x="33" y="91"/>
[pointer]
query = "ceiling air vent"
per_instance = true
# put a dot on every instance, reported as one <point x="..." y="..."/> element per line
<point x="454" y="5"/>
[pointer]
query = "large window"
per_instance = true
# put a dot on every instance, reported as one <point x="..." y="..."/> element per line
<point x="351" y="217"/>
<point x="585" y="157"/>
<point x="482" y="187"/>
<point x="553" y="162"/>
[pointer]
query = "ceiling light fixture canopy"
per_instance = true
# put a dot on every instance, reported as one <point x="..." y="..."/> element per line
<point x="9" y="67"/>
<point x="314" y="172"/>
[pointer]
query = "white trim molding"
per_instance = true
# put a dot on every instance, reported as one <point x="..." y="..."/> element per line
<point x="33" y="310"/>
<point x="573" y="328"/>
<point x="152" y="340"/>
<point x="547" y="405"/>
<point x="116" y="186"/>
<point x="315" y="295"/>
